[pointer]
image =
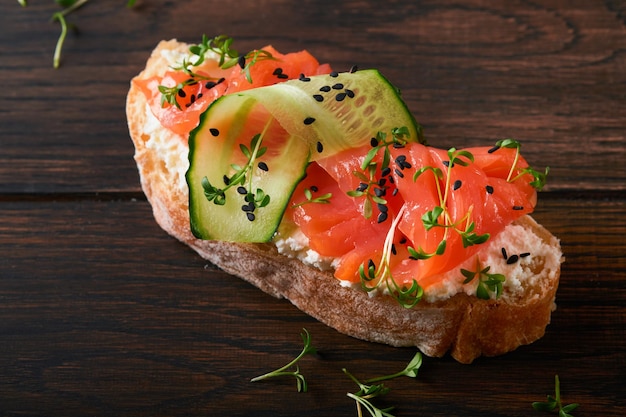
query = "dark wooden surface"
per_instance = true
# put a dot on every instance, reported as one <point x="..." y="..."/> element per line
<point x="102" y="314"/>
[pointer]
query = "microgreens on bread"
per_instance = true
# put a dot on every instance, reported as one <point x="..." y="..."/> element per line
<point x="487" y="282"/>
<point x="308" y="195"/>
<point x="241" y="176"/>
<point x="284" y="370"/>
<point x="430" y="219"/>
<point x="373" y="277"/>
<point x="370" y="187"/>
<point x="539" y="178"/>
<point x="227" y="58"/>
<point x="555" y="403"/>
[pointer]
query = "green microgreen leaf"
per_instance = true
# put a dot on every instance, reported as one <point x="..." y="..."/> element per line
<point x="301" y="384"/>
<point x="373" y="388"/>
<point x="555" y="403"/>
<point x="488" y="283"/>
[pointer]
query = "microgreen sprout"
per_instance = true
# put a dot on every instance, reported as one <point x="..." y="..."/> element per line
<point x="68" y="7"/>
<point x="308" y="194"/>
<point x="254" y="199"/>
<point x="227" y="58"/>
<point x="284" y="371"/>
<point x="487" y="282"/>
<point x="555" y="403"/>
<point x="374" y="387"/>
<point x="464" y="226"/>
<point x="539" y="178"/>
<point x="373" y="277"/>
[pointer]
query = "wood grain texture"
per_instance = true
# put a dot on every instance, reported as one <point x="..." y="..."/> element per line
<point x="103" y="314"/>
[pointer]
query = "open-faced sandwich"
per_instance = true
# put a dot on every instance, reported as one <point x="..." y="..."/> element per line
<point x="318" y="187"/>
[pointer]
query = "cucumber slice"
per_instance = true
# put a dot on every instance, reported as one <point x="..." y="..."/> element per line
<point x="251" y="149"/>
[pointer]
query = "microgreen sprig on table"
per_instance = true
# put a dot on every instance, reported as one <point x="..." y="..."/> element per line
<point x="69" y="6"/>
<point x="284" y="371"/>
<point x="554" y="403"/>
<point x="374" y="387"/>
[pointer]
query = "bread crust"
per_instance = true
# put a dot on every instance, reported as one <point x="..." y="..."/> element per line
<point x="462" y="325"/>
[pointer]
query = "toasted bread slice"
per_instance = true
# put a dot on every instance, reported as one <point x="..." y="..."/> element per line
<point x="461" y="324"/>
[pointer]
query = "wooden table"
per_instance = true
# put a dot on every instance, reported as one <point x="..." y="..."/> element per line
<point x="103" y="314"/>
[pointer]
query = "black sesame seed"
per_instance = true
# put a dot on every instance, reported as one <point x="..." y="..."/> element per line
<point x="370" y="264"/>
<point x="524" y="255"/>
<point x="391" y="180"/>
<point x="181" y="93"/>
<point x="277" y="71"/>
<point x="309" y="120"/>
<point x="492" y="150"/>
<point x="221" y="80"/>
<point x="320" y="147"/>
<point x="382" y="216"/>
<point x="226" y="180"/>
<point x="282" y="76"/>
<point x="248" y="208"/>
<point x="512" y="259"/>
<point x="382" y="182"/>
<point x="400" y="159"/>
<point x="382" y="208"/>
<point x="349" y="93"/>
<point x="354" y="69"/>
<point x="362" y="187"/>
<point x="250" y="216"/>
<point x="214" y="131"/>
<point x="398" y="145"/>
<point x="263" y="166"/>
<point x="334" y="74"/>
<point x="241" y="61"/>
<point x="399" y="173"/>
<point x="318" y="97"/>
<point x="325" y="89"/>
<point x="518" y="207"/>
<point x="504" y="255"/>
<point x="395" y="191"/>
<point x="403" y="241"/>
<point x="314" y="188"/>
<point x="304" y="78"/>
<point x="210" y="84"/>
<point x="380" y="192"/>
<point x="489" y="189"/>
<point x="337" y="86"/>
<point x="457" y="184"/>
<point x="199" y="96"/>
<point x="242" y="190"/>
<point x="340" y="96"/>
<point x="385" y="172"/>
<point x="393" y="249"/>
<point x="192" y="99"/>
<point x="373" y="142"/>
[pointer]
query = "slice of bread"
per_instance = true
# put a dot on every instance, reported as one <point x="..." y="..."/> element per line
<point x="461" y="324"/>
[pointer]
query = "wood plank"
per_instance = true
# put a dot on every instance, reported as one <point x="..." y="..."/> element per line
<point x="101" y="313"/>
<point x="550" y="73"/>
